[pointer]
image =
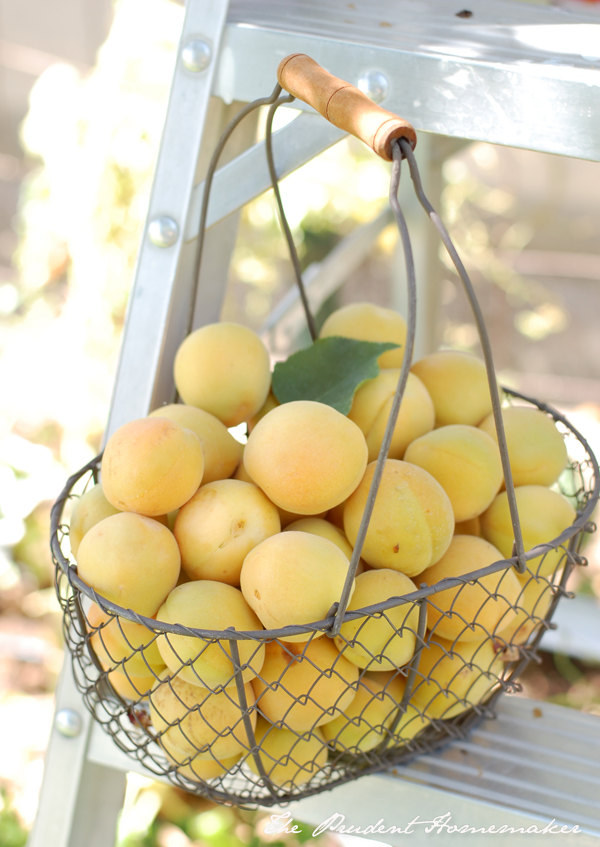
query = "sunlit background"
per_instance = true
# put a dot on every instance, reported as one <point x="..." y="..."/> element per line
<point x="78" y="140"/>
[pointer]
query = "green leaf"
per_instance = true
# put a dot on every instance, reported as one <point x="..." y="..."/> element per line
<point x="329" y="371"/>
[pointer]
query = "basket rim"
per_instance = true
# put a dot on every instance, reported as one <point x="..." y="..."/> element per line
<point x="326" y="624"/>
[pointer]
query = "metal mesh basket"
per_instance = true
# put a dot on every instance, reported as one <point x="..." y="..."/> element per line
<point x="287" y="714"/>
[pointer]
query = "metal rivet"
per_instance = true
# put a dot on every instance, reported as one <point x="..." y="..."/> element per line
<point x="375" y="85"/>
<point x="196" y="55"/>
<point x="68" y="722"/>
<point x="163" y="231"/>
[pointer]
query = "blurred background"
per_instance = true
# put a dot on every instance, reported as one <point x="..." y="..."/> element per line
<point x="83" y="89"/>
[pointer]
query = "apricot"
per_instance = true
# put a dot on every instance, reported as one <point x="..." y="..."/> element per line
<point x="465" y="463"/>
<point x="132" y="687"/>
<point x="368" y="322"/>
<point x="536" y="449"/>
<point x="223" y="368"/>
<point x="458" y="385"/>
<point x="270" y="403"/>
<point x="130" y="560"/>
<point x="199" y="722"/>
<point x="319" y="526"/>
<point x="372" y="405"/>
<point x="306" y="456"/>
<point x="362" y="724"/>
<point x="293" y="578"/>
<point x="89" y="509"/>
<point x="196" y="767"/>
<point x="222" y="453"/>
<point x="473" y="610"/>
<point x="209" y="605"/>
<point x="453" y="677"/>
<point x="412" y="521"/>
<point x="151" y="466"/>
<point x="543" y="515"/>
<point x="386" y="640"/>
<point x="411" y="722"/>
<point x="219" y="526"/>
<point x="289" y="760"/>
<point x="302" y="686"/>
<point x="123" y="645"/>
<point x="532" y="605"/>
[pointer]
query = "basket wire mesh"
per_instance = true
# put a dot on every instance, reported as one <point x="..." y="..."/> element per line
<point x="284" y="719"/>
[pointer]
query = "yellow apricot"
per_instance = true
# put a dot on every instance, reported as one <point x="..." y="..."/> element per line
<point x="384" y="641"/>
<point x="453" y="677"/>
<point x="293" y="578"/>
<point x="368" y="322"/>
<point x="458" y="385"/>
<point x="412" y="521"/>
<point x="151" y="466"/>
<point x="196" y="767"/>
<point x="472" y="610"/>
<point x="133" y="687"/>
<point x="123" y="645"/>
<point x="465" y="463"/>
<point x="372" y="405"/>
<point x="218" y="527"/>
<point x="319" y="526"/>
<point x="543" y="515"/>
<point x="209" y="605"/>
<point x="130" y="560"/>
<point x="199" y="722"/>
<point x="362" y="724"/>
<point x="223" y="368"/>
<point x="411" y="722"/>
<point x="302" y="686"/>
<point x="222" y="453"/>
<point x="89" y="509"/>
<point x="289" y="760"/>
<point x="306" y="456"/>
<point x="532" y="606"/>
<point x="536" y="449"/>
<point x="270" y="403"/>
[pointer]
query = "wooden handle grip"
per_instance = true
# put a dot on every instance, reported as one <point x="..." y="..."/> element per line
<point x="343" y="105"/>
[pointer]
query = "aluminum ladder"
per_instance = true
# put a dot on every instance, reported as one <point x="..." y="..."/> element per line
<point x="504" y="72"/>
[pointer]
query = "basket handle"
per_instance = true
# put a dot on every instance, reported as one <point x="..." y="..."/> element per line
<point x="343" y="105"/>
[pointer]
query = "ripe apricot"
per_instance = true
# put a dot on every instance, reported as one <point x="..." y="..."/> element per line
<point x="199" y="722"/>
<point x="123" y="645"/>
<point x="368" y="322"/>
<point x="223" y="368"/>
<point x="306" y="456"/>
<point x="362" y="724"/>
<point x="466" y="463"/>
<point x="131" y="560"/>
<point x="91" y="508"/>
<point x="458" y="385"/>
<point x="372" y="405"/>
<point x="412" y="521"/>
<point x="536" y="449"/>
<point x="472" y="610"/>
<point x="532" y="606"/>
<point x="209" y="605"/>
<point x="218" y="527"/>
<point x="302" y="686"/>
<point x="222" y="453"/>
<point x="381" y="641"/>
<point x="452" y="677"/>
<point x="289" y="760"/>
<point x="293" y="578"/>
<point x="196" y="767"/>
<point x="151" y="466"/>
<point x="543" y="515"/>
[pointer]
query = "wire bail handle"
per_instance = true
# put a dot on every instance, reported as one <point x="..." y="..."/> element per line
<point x="343" y="105"/>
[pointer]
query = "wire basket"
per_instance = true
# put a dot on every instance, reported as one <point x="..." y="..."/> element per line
<point x="267" y="716"/>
